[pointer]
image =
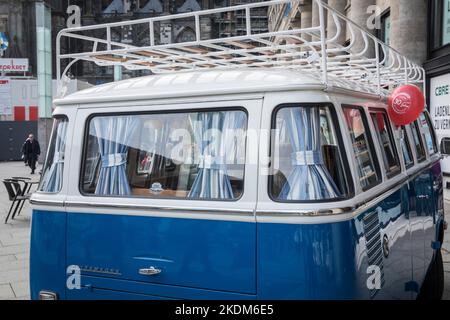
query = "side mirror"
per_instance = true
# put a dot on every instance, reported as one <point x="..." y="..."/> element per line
<point x="445" y="147"/>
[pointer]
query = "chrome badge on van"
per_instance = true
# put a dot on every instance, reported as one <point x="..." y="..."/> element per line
<point x="108" y="271"/>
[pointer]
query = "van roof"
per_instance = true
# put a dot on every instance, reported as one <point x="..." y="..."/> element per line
<point x="201" y="83"/>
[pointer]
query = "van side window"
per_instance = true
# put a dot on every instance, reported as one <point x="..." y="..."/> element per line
<point x="406" y="148"/>
<point x="307" y="162"/>
<point x="189" y="155"/>
<point x="418" y="144"/>
<point x="369" y="174"/>
<point x="52" y="174"/>
<point x="430" y="138"/>
<point x="383" y="132"/>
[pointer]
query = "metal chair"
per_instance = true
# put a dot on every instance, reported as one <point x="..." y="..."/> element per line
<point x="27" y="184"/>
<point x="17" y="195"/>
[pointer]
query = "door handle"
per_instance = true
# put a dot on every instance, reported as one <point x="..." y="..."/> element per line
<point x="149" y="271"/>
<point x="422" y="196"/>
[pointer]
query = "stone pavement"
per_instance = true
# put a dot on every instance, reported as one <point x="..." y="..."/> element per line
<point x="14" y="241"/>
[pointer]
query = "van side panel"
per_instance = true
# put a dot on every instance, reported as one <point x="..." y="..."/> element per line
<point x="307" y="261"/>
<point x="48" y="253"/>
<point x="191" y="253"/>
<point x="333" y="260"/>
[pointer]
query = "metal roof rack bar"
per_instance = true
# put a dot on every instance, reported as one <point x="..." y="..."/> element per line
<point x="365" y="63"/>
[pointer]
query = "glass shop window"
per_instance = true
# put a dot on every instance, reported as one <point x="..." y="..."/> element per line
<point x="194" y="155"/>
<point x="307" y="160"/>
<point x="368" y="170"/>
<point x="383" y="132"/>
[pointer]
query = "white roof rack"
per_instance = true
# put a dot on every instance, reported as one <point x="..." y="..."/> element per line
<point x="366" y="64"/>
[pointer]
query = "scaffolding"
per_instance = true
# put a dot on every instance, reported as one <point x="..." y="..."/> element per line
<point x="364" y="64"/>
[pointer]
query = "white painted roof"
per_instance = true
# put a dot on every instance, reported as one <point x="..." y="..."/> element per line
<point x="196" y="83"/>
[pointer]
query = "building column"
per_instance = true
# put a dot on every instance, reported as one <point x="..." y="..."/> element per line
<point x="306" y="17"/>
<point x="360" y="16"/>
<point x="44" y="74"/>
<point x="339" y="6"/>
<point x="409" y="28"/>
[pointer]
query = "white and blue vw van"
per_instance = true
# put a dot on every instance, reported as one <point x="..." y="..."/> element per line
<point x="238" y="177"/>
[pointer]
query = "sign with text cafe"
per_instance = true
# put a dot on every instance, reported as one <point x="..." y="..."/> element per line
<point x="13" y="65"/>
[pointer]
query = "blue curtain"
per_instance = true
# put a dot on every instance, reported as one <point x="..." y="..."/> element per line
<point x="114" y="135"/>
<point x="53" y="177"/>
<point x="212" y="181"/>
<point x="309" y="179"/>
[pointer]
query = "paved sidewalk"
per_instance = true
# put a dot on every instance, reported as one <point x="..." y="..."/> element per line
<point x="14" y="239"/>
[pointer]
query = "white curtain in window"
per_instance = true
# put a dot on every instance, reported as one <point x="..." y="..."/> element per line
<point x="114" y="135"/>
<point x="53" y="177"/>
<point x="309" y="179"/>
<point x="214" y="134"/>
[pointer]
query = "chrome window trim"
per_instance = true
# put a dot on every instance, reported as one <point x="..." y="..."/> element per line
<point x="85" y="204"/>
<point x="242" y="108"/>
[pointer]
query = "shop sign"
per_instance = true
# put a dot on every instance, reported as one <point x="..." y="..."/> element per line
<point x="13" y="65"/>
<point x="440" y="110"/>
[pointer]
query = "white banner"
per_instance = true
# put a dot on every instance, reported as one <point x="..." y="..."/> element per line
<point x="440" y="110"/>
<point x="13" y="65"/>
<point x="5" y="96"/>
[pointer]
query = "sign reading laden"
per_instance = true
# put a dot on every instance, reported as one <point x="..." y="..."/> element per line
<point x="440" y="104"/>
<point x="13" y="65"/>
<point x="440" y="110"/>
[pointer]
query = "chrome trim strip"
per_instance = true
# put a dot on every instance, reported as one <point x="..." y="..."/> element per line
<point x="51" y="203"/>
<point x="84" y="204"/>
<point x="355" y="210"/>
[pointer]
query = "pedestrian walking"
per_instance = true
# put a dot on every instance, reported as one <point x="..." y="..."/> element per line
<point x="24" y="157"/>
<point x="32" y="150"/>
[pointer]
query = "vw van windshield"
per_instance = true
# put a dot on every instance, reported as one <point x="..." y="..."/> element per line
<point x="187" y="155"/>
<point x="307" y="161"/>
<point x="52" y="174"/>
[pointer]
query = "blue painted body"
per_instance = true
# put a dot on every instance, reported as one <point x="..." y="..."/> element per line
<point x="209" y="259"/>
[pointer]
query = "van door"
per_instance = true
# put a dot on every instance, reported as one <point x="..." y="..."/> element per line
<point x="433" y="188"/>
<point x="418" y="192"/>
<point x="181" y="222"/>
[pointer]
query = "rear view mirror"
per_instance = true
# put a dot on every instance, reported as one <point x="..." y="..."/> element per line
<point x="445" y="147"/>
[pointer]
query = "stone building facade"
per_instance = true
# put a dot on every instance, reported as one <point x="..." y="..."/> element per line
<point x="17" y="22"/>
<point x="418" y="29"/>
<point x="402" y="23"/>
<point x="179" y="30"/>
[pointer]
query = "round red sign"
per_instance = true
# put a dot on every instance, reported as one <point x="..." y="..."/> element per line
<point x="406" y="104"/>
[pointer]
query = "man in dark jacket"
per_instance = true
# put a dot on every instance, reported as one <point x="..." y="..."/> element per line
<point x="32" y="152"/>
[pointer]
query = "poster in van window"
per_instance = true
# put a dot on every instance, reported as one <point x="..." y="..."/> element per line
<point x="5" y="96"/>
<point x="440" y="110"/>
<point x="446" y="23"/>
